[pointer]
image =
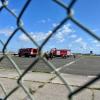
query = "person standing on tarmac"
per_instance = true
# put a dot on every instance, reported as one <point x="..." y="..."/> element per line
<point x="51" y="55"/>
<point x="74" y="56"/>
<point x="46" y="55"/>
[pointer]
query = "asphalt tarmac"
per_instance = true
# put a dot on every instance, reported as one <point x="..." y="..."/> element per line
<point x="82" y="65"/>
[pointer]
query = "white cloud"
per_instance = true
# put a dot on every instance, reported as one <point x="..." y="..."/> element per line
<point x="98" y="45"/>
<point x="43" y="21"/>
<point x="54" y="25"/>
<point x="7" y="31"/>
<point x="40" y="36"/>
<point x="83" y="45"/>
<point x="94" y="45"/>
<point x="95" y="41"/>
<point x="60" y="37"/>
<point x="37" y="36"/>
<point x="23" y="37"/>
<point x="73" y="36"/>
<point x="78" y="40"/>
<point x="63" y="32"/>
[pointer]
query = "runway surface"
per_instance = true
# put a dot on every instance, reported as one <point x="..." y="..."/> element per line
<point x="81" y="65"/>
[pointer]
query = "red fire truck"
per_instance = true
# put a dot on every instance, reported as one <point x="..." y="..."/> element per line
<point x="60" y="52"/>
<point x="28" y="52"/>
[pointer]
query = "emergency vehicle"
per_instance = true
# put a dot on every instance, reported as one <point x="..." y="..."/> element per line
<point x="27" y="52"/>
<point x="60" y="52"/>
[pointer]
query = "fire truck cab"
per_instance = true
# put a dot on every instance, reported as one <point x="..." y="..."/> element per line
<point x="27" y="52"/>
<point x="60" y="52"/>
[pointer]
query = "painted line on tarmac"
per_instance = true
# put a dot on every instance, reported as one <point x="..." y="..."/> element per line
<point x="92" y="76"/>
<point x="66" y="65"/>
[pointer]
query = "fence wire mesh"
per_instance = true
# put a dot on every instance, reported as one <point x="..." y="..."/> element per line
<point x="19" y="23"/>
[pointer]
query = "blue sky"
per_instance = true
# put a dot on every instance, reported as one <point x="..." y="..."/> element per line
<point x="42" y="16"/>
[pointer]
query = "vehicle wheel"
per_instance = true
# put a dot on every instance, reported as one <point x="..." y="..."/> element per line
<point x="19" y="55"/>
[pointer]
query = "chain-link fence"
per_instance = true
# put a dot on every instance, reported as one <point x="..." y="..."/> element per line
<point x="19" y="22"/>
